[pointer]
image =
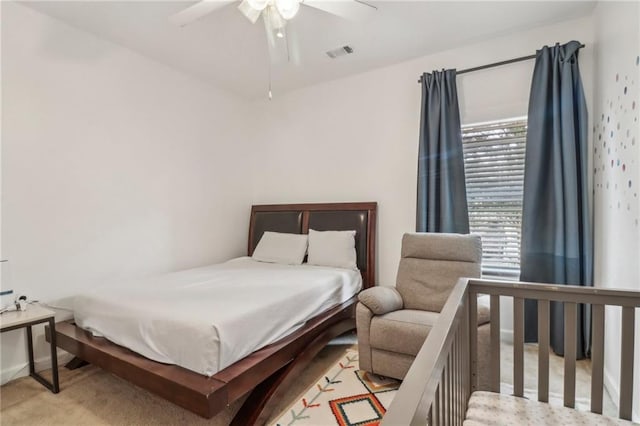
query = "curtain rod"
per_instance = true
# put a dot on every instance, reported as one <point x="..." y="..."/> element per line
<point x="495" y="64"/>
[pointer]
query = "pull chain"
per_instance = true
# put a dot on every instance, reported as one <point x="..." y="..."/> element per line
<point x="270" y="94"/>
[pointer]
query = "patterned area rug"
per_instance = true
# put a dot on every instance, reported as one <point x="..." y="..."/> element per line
<point x="344" y="396"/>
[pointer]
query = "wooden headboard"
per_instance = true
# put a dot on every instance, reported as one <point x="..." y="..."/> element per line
<point x="299" y="218"/>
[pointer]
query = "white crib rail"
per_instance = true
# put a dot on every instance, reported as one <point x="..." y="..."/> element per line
<point x="444" y="373"/>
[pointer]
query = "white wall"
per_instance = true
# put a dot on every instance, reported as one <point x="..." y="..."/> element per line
<point x="357" y="138"/>
<point x="114" y="166"/>
<point x="616" y="154"/>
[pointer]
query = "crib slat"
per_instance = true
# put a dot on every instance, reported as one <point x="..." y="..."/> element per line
<point x="447" y="378"/>
<point x="466" y="358"/>
<point x="473" y="339"/>
<point x="570" y="337"/>
<point x="435" y="419"/>
<point x="597" y="357"/>
<point x="458" y="376"/>
<point x="454" y="388"/>
<point x="626" y="363"/>
<point x="518" y="346"/>
<point x="543" y="350"/>
<point x="443" y="399"/>
<point x="450" y="393"/>
<point x="495" y="343"/>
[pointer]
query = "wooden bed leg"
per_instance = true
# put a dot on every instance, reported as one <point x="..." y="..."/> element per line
<point x="76" y="363"/>
<point x="259" y="406"/>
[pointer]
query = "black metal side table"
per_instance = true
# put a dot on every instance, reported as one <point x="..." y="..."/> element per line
<point x="34" y="314"/>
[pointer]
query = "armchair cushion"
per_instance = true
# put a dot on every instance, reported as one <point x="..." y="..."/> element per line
<point x="402" y="331"/>
<point x="381" y="299"/>
<point x="432" y="263"/>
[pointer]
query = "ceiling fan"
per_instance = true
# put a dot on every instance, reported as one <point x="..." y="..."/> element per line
<point x="275" y="14"/>
<point x="275" y="11"/>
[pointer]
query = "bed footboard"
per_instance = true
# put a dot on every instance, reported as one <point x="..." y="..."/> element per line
<point x="437" y="388"/>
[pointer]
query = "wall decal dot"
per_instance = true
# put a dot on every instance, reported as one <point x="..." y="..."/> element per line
<point x="637" y="59"/>
<point x="607" y="118"/>
<point x="617" y="77"/>
<point x="611" y="163"/>
<point x="618" y="126"/>
<point x="625" y="90"/>
<point x="624" y="167"/>
<point x="612" y="133"/>
<point x="633" y="105"/>
<point x="602" y="119"/>
<point x="629" y="183"/>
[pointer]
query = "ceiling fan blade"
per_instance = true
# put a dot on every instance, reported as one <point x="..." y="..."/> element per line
<point x="355" y="10"/>
<point x="249" y="12"/>
<point x="197" y="11"/>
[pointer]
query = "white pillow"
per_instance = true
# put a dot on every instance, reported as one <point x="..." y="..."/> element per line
<point x="332" y="248"/>
<point x="277" y="247"/>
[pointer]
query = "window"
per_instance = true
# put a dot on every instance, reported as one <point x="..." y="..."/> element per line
<point x="494" y="169"/>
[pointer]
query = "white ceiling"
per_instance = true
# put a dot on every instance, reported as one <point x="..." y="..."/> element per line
<point x="227" y="50"/>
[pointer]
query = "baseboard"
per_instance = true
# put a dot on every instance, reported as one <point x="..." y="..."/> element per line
<point x="22" y="370"/>
<point x="506" y="335"/>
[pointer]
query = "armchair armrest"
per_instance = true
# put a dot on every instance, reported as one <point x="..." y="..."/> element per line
<point x="381" y="299"/>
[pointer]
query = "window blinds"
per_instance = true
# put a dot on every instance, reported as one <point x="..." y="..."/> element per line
<point x="494" y="169"/>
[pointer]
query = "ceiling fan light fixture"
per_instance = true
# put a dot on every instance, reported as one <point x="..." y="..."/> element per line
<point x="274" y="19"/>
<point x="287" y="8"/>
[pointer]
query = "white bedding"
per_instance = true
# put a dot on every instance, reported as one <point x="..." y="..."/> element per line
<point x="205" y="319"/>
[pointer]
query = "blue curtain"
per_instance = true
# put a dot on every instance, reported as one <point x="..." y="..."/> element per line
<point x="442" y="195"/>
<point x="556" y="227"/>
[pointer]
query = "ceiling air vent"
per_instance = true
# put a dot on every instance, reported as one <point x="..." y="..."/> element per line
<point x="341" y="51"/>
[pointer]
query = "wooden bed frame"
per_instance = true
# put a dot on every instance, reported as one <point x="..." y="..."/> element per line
<point x="266" y="372"/>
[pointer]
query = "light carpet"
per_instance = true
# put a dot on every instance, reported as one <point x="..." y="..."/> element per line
<point x="91" y="396"/>
<point x="343" y="395"/>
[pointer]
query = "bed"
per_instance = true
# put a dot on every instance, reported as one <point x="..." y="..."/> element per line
<point x="217" y="373"/>
<point x="441" y="386"/>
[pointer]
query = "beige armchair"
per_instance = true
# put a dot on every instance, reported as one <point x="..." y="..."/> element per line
<point x="393" y="322"/>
